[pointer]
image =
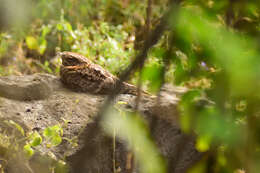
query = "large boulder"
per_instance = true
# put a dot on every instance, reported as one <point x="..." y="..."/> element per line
<point x="40" y="100"/>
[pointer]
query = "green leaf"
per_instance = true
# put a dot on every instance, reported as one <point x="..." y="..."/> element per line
<point x="59" y="27"/>
<point x="56" y="128"/>
<point x="240" y="54"/>
<point x="53" y="134"/>
<point x="45" y="31"/>
<point x="42" y="47"/>
<point x="190" y="96"/>
<point x="50" y="131"/>
<point x="17" y="126"/>
<point x="187" y="109"/>
<point x="216" y="125"/>
<point x="56" y="140"/>
<point x="203" y="143"/>
<point x="133" y="129"/>
<point x="47" y="132"/>
<point x="36" y="139"/>
<point x="158" y="52"/>
<point x="28" y="150"/>
<point x="180" y="74"/>
<point x="153" y="74"/>
<point x="199" y="167"/>
<point x="31" y="42"/>
<point x="46" y="67"/>
<point x="185" y="121"/>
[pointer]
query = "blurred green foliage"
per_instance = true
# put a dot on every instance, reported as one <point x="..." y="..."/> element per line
<point x="131" y="128"/>
<point x="18" y="145"/>
<point x="211" y="47"/>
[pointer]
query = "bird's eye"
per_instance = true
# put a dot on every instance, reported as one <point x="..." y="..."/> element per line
<point x="73" y="61"/>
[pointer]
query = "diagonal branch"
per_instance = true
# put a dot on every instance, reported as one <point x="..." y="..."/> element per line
<point x="80" y="159"/>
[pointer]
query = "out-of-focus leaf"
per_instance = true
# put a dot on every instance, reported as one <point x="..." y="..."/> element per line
<point x="185" y="120"/>
<point x="31" y="42"/>
<point x="28" y="150"/>
<point x="190" y="96"/>
<point x="15" y="125"/>
<point x="132" y="129"/>
<point x="187" y="109"/>
<point x="42" y="46"/>
<point x="45" y="66"/>
<point x="203" y="143"/>
<point x="153" y="74"/>
<point x="215" y="125"/>
<point x="61" y="167"/>
<point x="158" y="52"/>
<point x="221" y="158"/>
<point x="59" y="27"/>
<point x="68" y="26"/>
<point x="180" y="74"/>
<point x="46" y="30"/>
<point x="199" y="167"/>
<point x="238" y="54"/>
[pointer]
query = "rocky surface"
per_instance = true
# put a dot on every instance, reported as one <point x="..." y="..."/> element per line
<point x="38" y="101"/>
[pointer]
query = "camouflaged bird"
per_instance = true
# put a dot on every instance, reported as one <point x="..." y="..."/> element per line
<point x="79" y="73"/>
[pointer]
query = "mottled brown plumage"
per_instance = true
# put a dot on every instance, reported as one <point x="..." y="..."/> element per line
<point x="79" y="73"/>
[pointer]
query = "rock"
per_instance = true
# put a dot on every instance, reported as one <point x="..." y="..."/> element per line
<point x="33" y="87"/>
<point x="40" y="100"/>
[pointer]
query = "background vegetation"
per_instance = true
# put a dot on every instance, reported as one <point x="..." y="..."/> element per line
<point x="209" y="46"/>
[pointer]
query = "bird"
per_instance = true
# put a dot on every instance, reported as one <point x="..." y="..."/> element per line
<point x="80" y="74"/>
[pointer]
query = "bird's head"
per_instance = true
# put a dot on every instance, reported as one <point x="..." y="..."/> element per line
<point x="72" y="59"/>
